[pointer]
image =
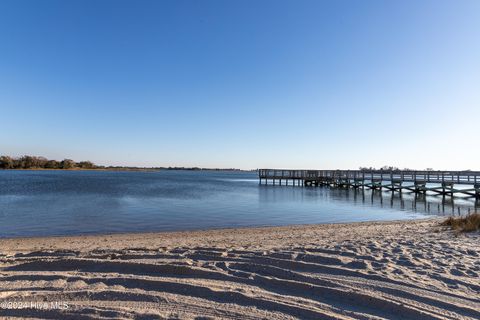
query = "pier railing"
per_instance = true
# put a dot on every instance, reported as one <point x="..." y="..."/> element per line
<point x="445" y="177"/>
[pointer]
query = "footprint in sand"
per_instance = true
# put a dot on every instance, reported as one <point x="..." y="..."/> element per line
<point x="457" y="272"/>
<point x="357" y="265"/>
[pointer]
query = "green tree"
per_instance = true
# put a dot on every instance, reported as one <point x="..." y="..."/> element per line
<point x="52" y="164"/>
<point x="86" y="165"/>
<point x="67" y="164"/>
<point x="6" y="162"/>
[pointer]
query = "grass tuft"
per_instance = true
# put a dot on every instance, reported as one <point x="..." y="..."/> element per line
<point x="468" y="223"/>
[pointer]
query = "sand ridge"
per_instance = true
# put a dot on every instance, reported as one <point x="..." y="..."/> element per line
<point x="374" y="270"/>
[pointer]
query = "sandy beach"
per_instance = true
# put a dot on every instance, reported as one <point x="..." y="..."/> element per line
<point x="372" y="270"/>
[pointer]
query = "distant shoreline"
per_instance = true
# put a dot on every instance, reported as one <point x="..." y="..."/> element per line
<point x="125" y="169"/>
<point x="82" y="169"/>
<point x="28" y="162"/>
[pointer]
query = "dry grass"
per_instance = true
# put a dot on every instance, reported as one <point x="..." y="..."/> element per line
<point x="467" y="223"/>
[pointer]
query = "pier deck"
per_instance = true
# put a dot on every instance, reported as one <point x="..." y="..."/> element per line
<point x="440" y="182"/>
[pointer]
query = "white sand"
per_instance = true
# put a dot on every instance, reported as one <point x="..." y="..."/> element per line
<point x="393" y="270"/>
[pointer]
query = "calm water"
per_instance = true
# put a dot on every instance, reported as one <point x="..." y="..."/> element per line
<point x="38" y="203"/>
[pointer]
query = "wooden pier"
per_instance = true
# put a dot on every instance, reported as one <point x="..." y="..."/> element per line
<point x="438" y="182"/>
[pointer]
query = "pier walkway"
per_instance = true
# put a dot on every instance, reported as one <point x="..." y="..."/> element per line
<point x="440" y="182"/>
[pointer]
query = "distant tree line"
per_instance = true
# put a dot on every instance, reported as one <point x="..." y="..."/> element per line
<point x="390" y="168"/>
<point x="32" y="162"/>
<point x="385" y="168"/>
<point x="199" y="169"/>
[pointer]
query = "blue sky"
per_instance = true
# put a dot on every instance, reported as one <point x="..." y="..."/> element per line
<point x="247" y="84"/>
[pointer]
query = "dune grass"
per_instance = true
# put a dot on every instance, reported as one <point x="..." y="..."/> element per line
<point x="468" y="223"/>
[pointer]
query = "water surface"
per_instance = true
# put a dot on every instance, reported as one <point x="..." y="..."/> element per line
<point x="41" y="203"/>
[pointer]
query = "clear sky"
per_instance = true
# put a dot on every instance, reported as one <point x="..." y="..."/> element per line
<point x="247" y="84"/>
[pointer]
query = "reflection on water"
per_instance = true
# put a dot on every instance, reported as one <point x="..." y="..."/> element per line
<point x="35" y="203"/>
<point x="417" y="202"/>
<point x="410" y="202"/>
